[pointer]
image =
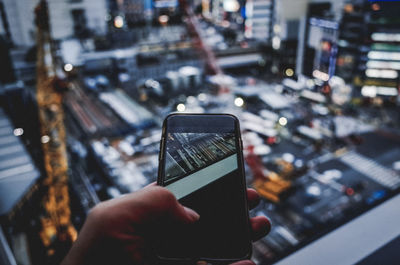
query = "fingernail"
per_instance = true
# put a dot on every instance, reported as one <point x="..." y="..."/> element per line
<point x="268" y="228"/>
<point x="193" y="215"/>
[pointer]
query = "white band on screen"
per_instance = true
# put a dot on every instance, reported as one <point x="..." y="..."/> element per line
<point x="203" y="177"/>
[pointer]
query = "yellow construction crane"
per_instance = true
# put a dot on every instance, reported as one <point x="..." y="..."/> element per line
<point x="56" y="220"/>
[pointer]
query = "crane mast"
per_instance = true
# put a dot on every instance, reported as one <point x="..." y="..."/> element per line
<point x="57" y="227"/>
<point x="206" y="51"/>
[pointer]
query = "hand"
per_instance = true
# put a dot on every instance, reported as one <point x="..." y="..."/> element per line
<point x="121" y="231"/>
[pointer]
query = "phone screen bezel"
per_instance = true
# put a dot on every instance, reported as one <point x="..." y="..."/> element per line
<point x="199" y="120"/>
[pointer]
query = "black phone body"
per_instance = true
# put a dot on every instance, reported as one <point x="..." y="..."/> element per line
<point x="201" y="162"/>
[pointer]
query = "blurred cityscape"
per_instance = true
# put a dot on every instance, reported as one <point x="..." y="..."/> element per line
<point x="85" y="85"/>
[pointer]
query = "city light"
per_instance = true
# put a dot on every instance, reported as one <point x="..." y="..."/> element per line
<point x="378" y="55"/>
<point x="282" y="121"/>
<point x="181" y="107"/>
<point x="383" y="65"/>
<point x="248" y="25"/>
<point x="373" y="91"/>
<point x="231" y="5"/>
<point x="375" y="73"/>
<point x="18" y="131"/>
<point x="369" y="91"/>
<point x="289" y="72"/>
<point x="349" y="8"/>
<point x="202" y="97"/>
<point x="310" y="83"/>
<point x="320" y="75"/>
<point x="324" y="23"/>
<point x="68" y="67"/>
<point x="163" y="19"/>
<point x="276" y="42"/>
<point x="190" y="100"/>
<point x="277" y="28"/>
<point x="118" y="22"/>
<point x="225" y="23"/>
<point x="381" y="36"/>
<point x="45" y="139"/>
<point x="239" y="102"/>
<point x="375" y="7"/>
<point x="288" y="157"/>
<point x="396" y="165"/>
<point x="248" y="33"/>
<point x="314" y="190"/>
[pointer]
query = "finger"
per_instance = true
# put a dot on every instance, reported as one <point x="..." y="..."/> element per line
<point x="161" y="202"/>
<point x="147" y="206"/>
<point x="154" y="183"/>
<point x="253" y="198"/>
<point x="244" y="262"/>
<point x="260" y="226"/>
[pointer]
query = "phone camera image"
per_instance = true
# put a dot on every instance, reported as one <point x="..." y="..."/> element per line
<point x="203" y="168"/>
<point x="194" y="160"/>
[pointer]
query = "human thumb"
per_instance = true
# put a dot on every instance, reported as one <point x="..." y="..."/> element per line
<point x="163" y="204"/>
<point x="194" y="216"/>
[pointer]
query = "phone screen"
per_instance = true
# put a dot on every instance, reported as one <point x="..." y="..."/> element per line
<point x="203" y="168"/>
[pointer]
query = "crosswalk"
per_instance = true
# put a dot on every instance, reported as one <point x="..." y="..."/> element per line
<point x="373" y="170"/>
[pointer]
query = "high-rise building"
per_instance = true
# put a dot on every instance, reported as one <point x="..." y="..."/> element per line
<point x="259" y="19"/>
<point x="67" y="18"/>
<point x="320" y="52"/>
<point x="352" y="33"/>
<point x="379" y="68"/>
<point x="369" y="47"/>
<point x="135" y="12"/>
<point x="6" y="68"/>
<point x="19" y="17"/>
<point x="4" y="27"/>
<point x="77" y="17"/>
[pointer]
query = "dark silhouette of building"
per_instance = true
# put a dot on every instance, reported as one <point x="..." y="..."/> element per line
<point x="6" y="67"/>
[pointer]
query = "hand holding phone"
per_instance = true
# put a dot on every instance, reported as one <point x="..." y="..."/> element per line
<point x="201" y="163"/>
<point x="125" y="230"/>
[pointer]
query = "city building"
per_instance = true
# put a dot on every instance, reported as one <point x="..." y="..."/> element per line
<point x="6" y="67"/>
<point x="70" y="18"/>
<point x="19" y="17"/>
<point x="351" y="39"/>
<point x="259" y="19"/>
<point x="4" y="27"/>
<point x="19" y="183"/>
<point x="132" y="12"/>
<point x="369" y="48"/>
<point x="379" y="64"/>
<point x="67" y="19"/>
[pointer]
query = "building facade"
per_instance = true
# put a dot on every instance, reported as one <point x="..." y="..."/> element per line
<point x="67" y="18"/>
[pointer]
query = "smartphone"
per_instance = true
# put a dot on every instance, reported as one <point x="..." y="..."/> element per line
<point x="201" y="163"/>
